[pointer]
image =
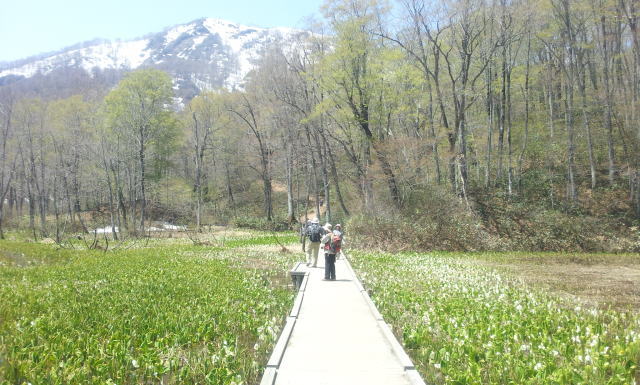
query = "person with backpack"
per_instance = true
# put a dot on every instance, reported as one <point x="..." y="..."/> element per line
<point x="315" y="233"/>
<point x="325" y="238"/>
<point x="332" y="245"/>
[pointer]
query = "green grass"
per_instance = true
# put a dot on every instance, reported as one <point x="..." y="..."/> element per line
<point x="165" y="313"/>
<point x="466" y="324"/>
<point x="265" y="239"/>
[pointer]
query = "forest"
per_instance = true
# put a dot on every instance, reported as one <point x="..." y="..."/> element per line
<point x="455" y="125"/>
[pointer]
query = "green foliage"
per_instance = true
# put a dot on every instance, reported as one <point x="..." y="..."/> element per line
<point x="161" y="314"/>
<point x="465" y="324"/>
<point x="260" y="223"/>
<point x="138" y="111"/>
<point x="140" y="99"/>
<point x="262" y="240"/>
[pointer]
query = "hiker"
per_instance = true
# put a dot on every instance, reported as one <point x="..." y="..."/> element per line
<point x="325" y="238"/>
<point x="332" y="244"/>
<point x="314" y="232"/>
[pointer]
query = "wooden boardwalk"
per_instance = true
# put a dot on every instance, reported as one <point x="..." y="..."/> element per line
<point x="334" y="335"/>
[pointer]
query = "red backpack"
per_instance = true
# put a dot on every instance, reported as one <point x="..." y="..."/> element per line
<point x="334" y="244"/>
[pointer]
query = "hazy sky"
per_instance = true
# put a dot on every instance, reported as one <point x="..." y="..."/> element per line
<point x="30" y="27"/>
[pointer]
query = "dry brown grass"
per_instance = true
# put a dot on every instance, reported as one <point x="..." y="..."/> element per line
<point x="596" y="279"/>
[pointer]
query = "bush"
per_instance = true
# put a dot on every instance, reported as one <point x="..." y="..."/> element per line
<point x="433" y="219"/>
<point x="523" y="225"/>
<point x="256" y="223"/>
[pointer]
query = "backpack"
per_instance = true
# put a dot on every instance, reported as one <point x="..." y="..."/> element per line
<point x="335" y="244"/>
<point x="315" y="233"/>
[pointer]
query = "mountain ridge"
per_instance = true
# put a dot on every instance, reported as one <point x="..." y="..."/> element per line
<point x="206" y="53"/>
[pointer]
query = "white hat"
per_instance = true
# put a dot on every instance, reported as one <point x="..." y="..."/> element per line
<point x="315" y="220"/>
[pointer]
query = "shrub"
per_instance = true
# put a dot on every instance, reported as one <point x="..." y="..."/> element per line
<point x="433" y="219"/>
<point x="436" y="219"/>
<point x="256" y="223"/>
<point x="523" y="225"/>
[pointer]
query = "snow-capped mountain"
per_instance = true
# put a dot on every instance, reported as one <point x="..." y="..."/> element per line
<point x="204" y="54"/>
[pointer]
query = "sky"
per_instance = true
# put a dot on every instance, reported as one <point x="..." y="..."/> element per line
<point x="31" y="27"/>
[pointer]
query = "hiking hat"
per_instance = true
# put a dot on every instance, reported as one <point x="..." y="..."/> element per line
<point x="338" y="226"/>
<point x="315" y="220"/>
<point x="327" y="226"/>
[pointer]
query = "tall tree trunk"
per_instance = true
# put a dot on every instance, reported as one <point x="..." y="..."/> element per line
<point x="229" y="189"/>
<point x="572" y="193"/>
<point x="502" y="120"/>
<point x="585" y="122"/>
<point x="55" y="207"/>
<point x="143" y="202"/>
<point x="509" y="126"/>
<point x="569" y="37"/>
<point x="526" y="112"/>
<point x="363" y="115"/>
<point x="122" y="208"/>
<point x="291" y="217"/>
<point x="28" y="181"/>
<point x="133" y="201"/>
<point x="551" y="111"/>
<point x="109" y="185"/>
<point x="325" y="182"/>
<point x="608" y="100"/>
<point x="266" y="182"/>
<point x="314" y="169"/>
<point x="434" y="137"/>
<point x="334" y="174"/>
<point x="490" y="119"/>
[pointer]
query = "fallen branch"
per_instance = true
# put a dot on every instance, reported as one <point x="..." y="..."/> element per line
<point x="283" y="248"/>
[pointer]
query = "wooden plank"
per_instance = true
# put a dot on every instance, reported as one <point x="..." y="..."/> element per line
<point x="414" y="377"/>
<point x="295" y="310"/>
<point x="395" y="346"/>
<point x="269" y="376"/>
<point x="281" y="345"/>
<point x="372" y="306"/>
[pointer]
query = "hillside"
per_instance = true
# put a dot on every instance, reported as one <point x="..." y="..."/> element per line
<point x="203" y="54"/>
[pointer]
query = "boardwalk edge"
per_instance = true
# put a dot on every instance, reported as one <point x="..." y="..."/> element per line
<point x="271" y="370"/>
<point x="410" y="370"/>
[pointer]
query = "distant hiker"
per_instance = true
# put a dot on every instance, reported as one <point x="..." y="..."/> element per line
<point x="332" y="245"/>
<point x="315" y="233"/>
<point x="325" y="237"/>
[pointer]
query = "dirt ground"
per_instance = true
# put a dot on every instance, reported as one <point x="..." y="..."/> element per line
<point x="598" y="280"/>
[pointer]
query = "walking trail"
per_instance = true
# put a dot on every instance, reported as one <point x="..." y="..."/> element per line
<point x="334" y="335"/>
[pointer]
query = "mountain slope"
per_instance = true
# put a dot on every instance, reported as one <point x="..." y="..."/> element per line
<point x="204" y="54"/>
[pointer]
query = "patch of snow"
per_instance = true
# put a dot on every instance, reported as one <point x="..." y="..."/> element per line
<point x="198" y="40"/>
<point x="118" y="54"/>
<point x="243" y="44"/>
<point x="106" y="230"/>
<point x="202" y="81"/>
<point x="169" y="226"/>
<point x="178" y="103"/>
<point x="178" y="31"/>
